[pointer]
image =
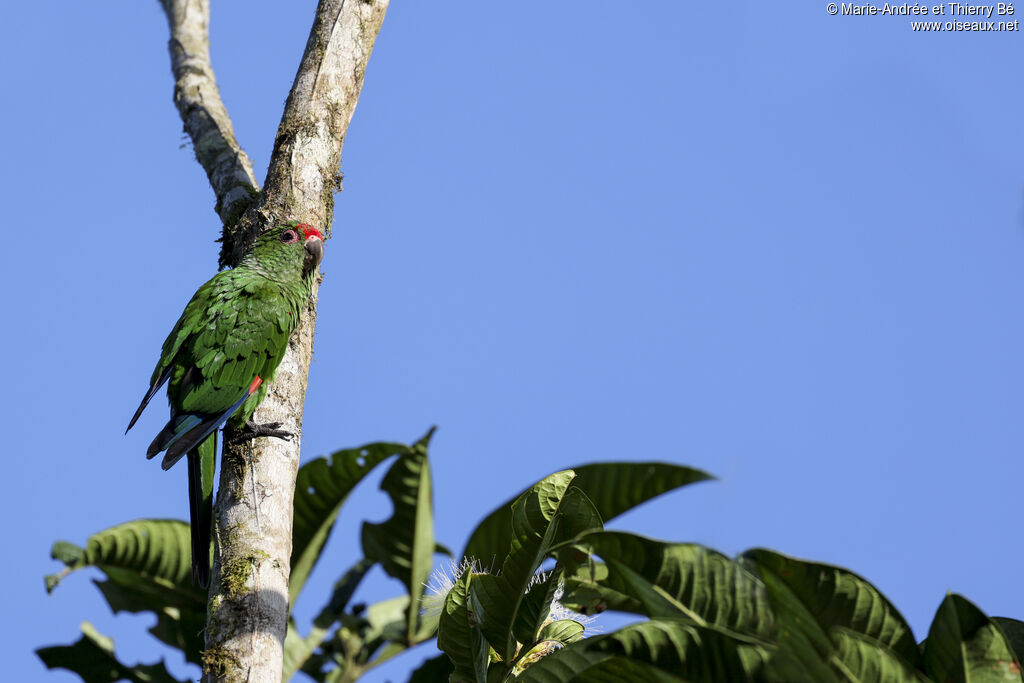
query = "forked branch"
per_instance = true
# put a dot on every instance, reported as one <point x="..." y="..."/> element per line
<point x="248" y="609"/>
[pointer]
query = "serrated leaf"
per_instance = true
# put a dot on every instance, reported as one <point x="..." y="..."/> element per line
<point x="612" y="487"/>
<point x="534" y="523"/>
<point x="321" y="488"/>
<point x="404" y="544"/>
<point x="459" y="635"/>
<point x="832" y="596"/>
<point x="965" y="646"/>
<point x="92" y="658"/>
<point x="656" y="650"/>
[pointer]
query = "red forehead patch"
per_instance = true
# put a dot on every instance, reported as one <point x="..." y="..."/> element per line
<point x="309" y="231"/>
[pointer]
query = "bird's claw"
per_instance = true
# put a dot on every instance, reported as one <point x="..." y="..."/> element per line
<point x="251" y="430"/>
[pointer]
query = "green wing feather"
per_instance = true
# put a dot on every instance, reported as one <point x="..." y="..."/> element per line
<point x="234" y="339"/>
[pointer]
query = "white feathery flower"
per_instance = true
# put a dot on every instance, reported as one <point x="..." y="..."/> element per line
<point x="441" y="581"/>
<point x="558" y="610"/>
<point x="444" y="576"/>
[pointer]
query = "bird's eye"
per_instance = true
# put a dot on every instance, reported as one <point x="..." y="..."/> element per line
<point x="289" y="237"/>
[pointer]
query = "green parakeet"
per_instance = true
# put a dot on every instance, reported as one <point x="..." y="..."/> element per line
<point x="220" y="357"/>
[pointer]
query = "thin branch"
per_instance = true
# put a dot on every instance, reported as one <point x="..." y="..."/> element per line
<point x="304" y="166"/>
<point x="202" y="111"/>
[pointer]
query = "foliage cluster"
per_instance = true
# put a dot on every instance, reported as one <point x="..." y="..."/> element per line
<point x="515" y="610"/>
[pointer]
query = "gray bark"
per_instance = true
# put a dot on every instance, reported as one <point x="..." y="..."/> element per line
<point x="248" y="608"/>
<point x="202" y="111"/>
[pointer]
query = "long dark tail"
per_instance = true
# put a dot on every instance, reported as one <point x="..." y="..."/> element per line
<point x="202" y="465"/>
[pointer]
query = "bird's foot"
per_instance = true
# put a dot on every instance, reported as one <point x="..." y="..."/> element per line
<point x="251" y="430"/>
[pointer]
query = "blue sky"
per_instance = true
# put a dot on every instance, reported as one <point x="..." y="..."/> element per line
<point x="778" y="245"/>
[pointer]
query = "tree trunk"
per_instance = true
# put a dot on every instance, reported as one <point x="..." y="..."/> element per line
<point x="248" y="607"/>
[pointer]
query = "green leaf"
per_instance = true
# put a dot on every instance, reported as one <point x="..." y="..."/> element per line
<point x="68" y="553"/>
<point x="553" y="636"/>
<point x="612" y="487"/>
<point x="656" y="650"/>
<point x="384" y="624"/>
<point x="1013" y="630"/>
<point x="588" y="599"/>
<point x="536" y="606"/>
<point x="92" y="658"/>
<point x="434" y="670"/>
<point x="804" y="649"/>
<point x="682" y="579"/>
<point x="148" y="567"/>
<point x="404" y="544"/>
<point x="387" y="620"/>
<point x="316" y="667"/>
<point x="534" y="524"/>
<point x="831" y="596"/>
<point x="297" y="649"/>
<point x="296" y="652"/>
<point x="965" y="646"/>
<point x="459" y="636"/>
<point x="564" y="631"/>
<point x="656" y="601"/>
<point x="180" y="622"/>
<point x="155" y="549"/>
<point x="342" y="592"/>
<point x="579" y="514"/>
<point x="596" y="667"/>
<point x="363" y="641"/>
<point x="864" y="660"/>
<point x="586" y="593"/>
<point x="321" y="487"/>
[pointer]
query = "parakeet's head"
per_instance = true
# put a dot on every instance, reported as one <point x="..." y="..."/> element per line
<point x="288" y="251"/>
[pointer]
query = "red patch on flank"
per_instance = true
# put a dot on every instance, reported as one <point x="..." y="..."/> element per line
<point x="310" y="231"/>
<point x="255" y="384"/>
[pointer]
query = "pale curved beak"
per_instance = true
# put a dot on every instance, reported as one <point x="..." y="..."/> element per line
<point x="315" y="249"/>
